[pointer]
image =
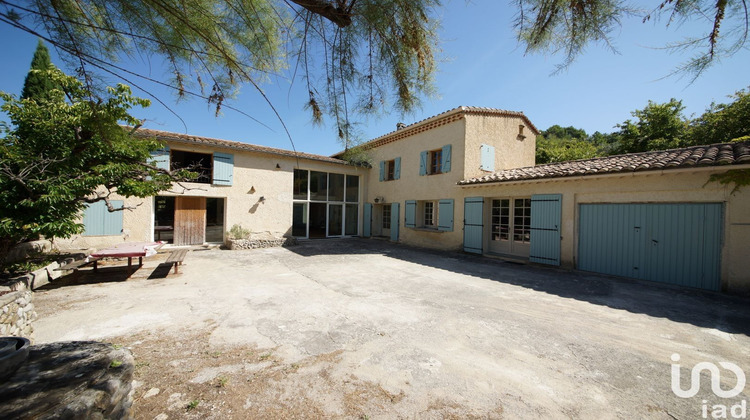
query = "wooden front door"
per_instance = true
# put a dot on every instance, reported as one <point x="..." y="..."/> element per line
<point x="190" y="220"/>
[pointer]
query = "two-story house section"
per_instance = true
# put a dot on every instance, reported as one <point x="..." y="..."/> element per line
<point x="262" y="189"/>
<point x="412" y="191"/>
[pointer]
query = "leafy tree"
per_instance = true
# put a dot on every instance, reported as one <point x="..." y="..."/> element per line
<point x="657" y="127"/>
<point x="354" y="55"/>
<point x="723" y="122"/>
<point x="570" y="26"/>
<point x="37" y="84"/>
<point x="561" y="150"/>
<point x="65" y="151"/>
<point x="564" y="132"/>
<point x="560" y="144"/>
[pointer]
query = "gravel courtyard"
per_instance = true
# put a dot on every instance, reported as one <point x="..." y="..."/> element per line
<point x="366" y="329"/>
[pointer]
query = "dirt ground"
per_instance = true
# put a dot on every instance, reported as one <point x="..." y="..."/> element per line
<point x="367" y="329"/>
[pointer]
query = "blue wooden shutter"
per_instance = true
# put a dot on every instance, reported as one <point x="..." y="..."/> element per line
<point x="161" y="158"/>
<point x="423" y="163"/>
<point x="445" y="215"/>
<point x="545" y="228"/>
<point x="487" y="158"/>
<point x="394" y="222"/>
<point x="473" y="224"/>
<point x="367" y="222"/>
<point x="382" y="170"/>
<point x="410" y="213"/>
<point x="99" y="221"/>
<point x="397" y="169"/>
<point x="223" y="168"/>
<point x="445" y="164"/>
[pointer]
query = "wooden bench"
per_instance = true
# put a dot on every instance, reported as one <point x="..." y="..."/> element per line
<point x="175" y="258"/>
<point x="75" y="265"/>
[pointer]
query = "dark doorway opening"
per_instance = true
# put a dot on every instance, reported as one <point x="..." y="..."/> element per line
<point x="317" y="220"/>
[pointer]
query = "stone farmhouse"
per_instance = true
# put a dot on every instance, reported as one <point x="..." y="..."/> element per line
<point x="463" y="180"/>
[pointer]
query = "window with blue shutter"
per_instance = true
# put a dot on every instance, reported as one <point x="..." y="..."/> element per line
<point x="445" y="215"/>
<point x="487" y="158"/>
<point x="99" y="221"/>
<point x="397" y="168"/>
<point x="161" y="158"/>
<point x="382" y="170"/>
<point x="394" y="222"/>
<point x="410" y="213"/>
<point x="445" y="165"/>
<point x="223" y="168"/>
<point x="423" y="162"/>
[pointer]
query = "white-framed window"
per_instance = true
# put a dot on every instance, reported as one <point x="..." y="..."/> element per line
<point x="429" y="214"/>
<point x="386" y="216"/>
<point x="325" y="204"/>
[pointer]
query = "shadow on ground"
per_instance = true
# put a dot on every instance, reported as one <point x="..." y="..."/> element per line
<point x="726" y="313"/>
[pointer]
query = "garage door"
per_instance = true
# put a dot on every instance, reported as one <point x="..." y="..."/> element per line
<point x="670" y="243"/>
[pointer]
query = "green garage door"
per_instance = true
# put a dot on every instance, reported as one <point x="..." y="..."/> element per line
<point x="670" y="243"/>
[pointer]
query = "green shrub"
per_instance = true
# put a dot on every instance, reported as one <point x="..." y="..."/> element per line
<point x="238" y="232"/>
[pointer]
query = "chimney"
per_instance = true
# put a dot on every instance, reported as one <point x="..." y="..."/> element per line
<point x="400" y="126"/>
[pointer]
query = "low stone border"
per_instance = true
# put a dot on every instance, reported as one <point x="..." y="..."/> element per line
<point x="235" y="244"/>
<point x="40" y="277"/>
<point x="17" y="314"/>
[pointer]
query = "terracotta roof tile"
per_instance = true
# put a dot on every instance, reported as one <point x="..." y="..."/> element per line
<point x="207" y="141"/>
<point x="442" y="119"/>
<point x="708" y="155"/>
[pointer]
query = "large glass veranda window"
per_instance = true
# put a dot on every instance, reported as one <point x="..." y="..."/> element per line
<point x="325" y="204"/>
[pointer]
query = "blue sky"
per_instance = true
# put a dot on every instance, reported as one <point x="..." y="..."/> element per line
<point x="482" y="65"/>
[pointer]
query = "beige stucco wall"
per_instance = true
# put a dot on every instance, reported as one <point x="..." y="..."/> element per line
<point x="511" y="150"/>
<point x="255" y="176"/>
<point x="412" y="186"/>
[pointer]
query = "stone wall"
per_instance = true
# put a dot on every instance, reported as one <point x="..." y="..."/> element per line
<point x="235" y="244"/>
<point x="16" y="312"/>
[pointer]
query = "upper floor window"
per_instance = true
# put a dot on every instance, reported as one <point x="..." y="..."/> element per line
<point x="198" y="163"/>
<point x="390" y="169"/>
<point x="436" y="161"/>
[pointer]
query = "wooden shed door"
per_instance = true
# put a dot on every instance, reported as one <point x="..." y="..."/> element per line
<point x="190" y="220"/>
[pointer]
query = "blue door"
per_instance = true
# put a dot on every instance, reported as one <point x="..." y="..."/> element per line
<point x="367" y="221"/>
<point x="394" y="222"/>
<point x="670" y="243"/>
<point x="473" y="224"/>
<point x="545" y="229"/>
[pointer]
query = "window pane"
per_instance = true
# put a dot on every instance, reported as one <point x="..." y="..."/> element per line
<point x="335" y="219"/>
<point x="351" y="219"/>
<point x="387" y="216"/>
<point x="318" y="186"/>
<point x="300" y="184"/>
<point x="335" y="187"/>
<point x="299" y="220"/>
<point x="352" y="188"/>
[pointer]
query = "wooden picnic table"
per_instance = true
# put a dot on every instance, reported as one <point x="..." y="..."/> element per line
<point x="129" y="250"/>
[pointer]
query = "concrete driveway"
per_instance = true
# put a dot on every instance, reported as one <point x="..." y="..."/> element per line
<point x="441" y="334"/>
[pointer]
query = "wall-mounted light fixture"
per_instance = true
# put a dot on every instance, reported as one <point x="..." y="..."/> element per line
<point x="262" y="199"/>
<point x="278" y="166"/>
<point x="252" y="190"/>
